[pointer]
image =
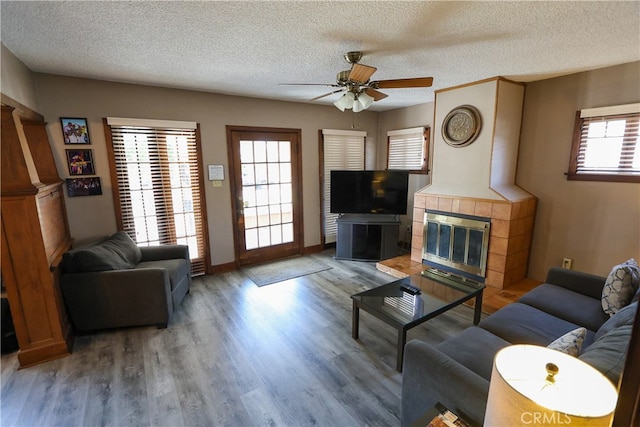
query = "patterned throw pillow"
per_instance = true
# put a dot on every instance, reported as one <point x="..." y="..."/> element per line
<point x="622" y="283"/>
<point x="570" y="343"/>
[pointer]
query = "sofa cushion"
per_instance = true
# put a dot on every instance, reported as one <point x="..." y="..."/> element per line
<point x="625" y="316"/>
<point x="474" y="348"/>
<point x="570" y="343"/>
<point x="621" y="285"/>
<point x="117" y="252"/>
<point x="523" y="324"/>
<point x="583" y="310"/>
<point x="178" y="269"/>
<point x="608" y="353"/>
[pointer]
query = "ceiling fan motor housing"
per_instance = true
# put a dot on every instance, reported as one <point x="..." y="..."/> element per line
<point x="353" y="57"/>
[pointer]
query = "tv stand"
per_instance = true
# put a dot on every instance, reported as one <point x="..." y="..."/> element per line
<point x="367" y="237"/>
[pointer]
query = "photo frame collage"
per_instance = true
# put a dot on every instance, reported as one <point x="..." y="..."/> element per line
<point x="80" y="164"/>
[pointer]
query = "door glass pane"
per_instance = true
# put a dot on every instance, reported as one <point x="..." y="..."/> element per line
<point x="274" y="172"/>
<point x="251" y="238"/>
<point x="259" y="151"/>
<point x="261" y="173"/>
<point x="287" y="233"/>
<point x="264" y="237"/>
<point x="248" y="177"/>
<point x="250" y="218"/>
<point x="276" y="234"/>
<point x="263" y="216"/>
<point x="285" y="172"/>
<point x="287" y="212"/>
<point x="285" y="151"/>
<point x="246" y="151"/>
<point x="272" y="151"/>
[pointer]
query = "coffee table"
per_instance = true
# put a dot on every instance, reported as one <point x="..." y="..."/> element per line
<point x="439" y="292"/>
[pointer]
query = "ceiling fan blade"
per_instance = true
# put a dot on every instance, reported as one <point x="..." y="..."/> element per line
<point x="402" y="83"/>
<point x="361" y="73"/>
<point x="376" y="95"/>
<point x="309" y="84"/>
<point x="326" y="94"/>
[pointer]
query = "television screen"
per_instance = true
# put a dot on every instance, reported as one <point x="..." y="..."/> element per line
<point x="369" y="192"/>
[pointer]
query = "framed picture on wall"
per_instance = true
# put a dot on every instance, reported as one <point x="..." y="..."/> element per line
<point x="75" y="130"/>
<point x="77" y="187"/>
<point x="80" y="162"/>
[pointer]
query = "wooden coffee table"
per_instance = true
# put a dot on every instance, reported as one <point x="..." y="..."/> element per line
<point x="402" y="310"/>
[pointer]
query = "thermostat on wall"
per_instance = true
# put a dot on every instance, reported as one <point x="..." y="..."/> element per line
<point x="216" y="172"/>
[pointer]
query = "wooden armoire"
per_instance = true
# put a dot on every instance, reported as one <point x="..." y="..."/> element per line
<point x="35" y="235"/>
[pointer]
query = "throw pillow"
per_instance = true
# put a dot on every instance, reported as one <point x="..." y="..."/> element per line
<point x="620" y="286"/>
<point x="570" y="343"/>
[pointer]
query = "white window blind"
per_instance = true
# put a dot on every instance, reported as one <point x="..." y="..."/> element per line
<point x="406" y="149"/>
<point x="158" y="192"/>
<point x="607" y="144"/>
<point x="342" y="150"/>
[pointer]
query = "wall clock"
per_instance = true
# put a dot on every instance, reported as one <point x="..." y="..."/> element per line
<point x="461" y="126"/>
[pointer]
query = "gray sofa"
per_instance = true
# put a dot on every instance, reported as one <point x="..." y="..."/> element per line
<point x="457" y="371"/>
<point x="115" y="283"/>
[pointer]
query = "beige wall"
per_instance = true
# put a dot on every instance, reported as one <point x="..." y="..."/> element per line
<point x="16" y="80"/>
<point x="94" y="216"/>
<point x="595" y="223"/>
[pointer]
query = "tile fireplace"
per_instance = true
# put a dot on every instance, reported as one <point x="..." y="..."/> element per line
<point x="509" y="234"/>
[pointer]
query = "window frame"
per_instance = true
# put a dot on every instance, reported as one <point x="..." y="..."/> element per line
<point x="426" y="136"/>
<point x="162" y="187"/>
<point x="585" y="116"/>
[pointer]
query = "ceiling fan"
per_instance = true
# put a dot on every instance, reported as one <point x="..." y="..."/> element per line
<point x="360" y="92"/>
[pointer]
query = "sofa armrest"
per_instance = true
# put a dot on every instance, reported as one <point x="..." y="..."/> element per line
<point x="116" y="298"/>
<point x="157" y="253"/>
<point x="577" y="281"/>
<point x="430" y="376"/>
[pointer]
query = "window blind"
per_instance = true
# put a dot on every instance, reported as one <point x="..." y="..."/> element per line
<point x="157" y="177"/>
<point x="406" y="149"/>
<point x="608" y="145"/>
<point x="342" y="150"/>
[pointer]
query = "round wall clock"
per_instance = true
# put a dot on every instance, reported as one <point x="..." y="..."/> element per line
<point x="461" y="126"/>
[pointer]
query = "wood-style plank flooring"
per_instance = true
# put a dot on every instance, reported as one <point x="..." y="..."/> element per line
<point x="234" y="354"/>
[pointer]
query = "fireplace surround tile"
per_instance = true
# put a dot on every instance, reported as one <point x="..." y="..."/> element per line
<point x="510" y="238"/>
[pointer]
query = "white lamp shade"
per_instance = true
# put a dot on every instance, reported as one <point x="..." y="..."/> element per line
<point x="357" y="106"/>
<point x="349" y="99"/>
<point x="365" y="100"/>
<point x="521" y="393"/>
<point x="340" y="103"/>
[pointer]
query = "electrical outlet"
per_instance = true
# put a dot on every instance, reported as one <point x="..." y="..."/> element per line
<point x="567" y="263"/>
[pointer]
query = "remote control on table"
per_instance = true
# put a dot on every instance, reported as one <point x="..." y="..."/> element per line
<point x="410" y="289"/>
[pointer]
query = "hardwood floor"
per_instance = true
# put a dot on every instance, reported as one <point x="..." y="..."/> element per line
<point x="233" y="355"/>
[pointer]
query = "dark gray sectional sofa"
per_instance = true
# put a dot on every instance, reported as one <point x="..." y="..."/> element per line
<point x="457" y="371"/>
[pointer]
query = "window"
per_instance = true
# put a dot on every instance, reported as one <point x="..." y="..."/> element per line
<point x="606" y="145"/>
<point x="341" y="150"/>
<point x="156" y="176"/>
<point x="407" y="149"/>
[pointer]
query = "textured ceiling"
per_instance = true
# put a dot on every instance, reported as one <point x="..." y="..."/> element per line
<point x="249" y="48"/>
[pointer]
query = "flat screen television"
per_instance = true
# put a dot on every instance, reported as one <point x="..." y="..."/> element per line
<point x="369" y="192"/>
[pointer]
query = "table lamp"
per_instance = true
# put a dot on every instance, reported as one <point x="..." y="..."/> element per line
<point x="533" y="385"/>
